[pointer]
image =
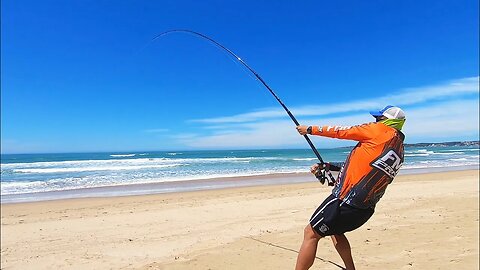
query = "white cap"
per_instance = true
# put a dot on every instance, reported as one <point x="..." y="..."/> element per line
<point x="391" y="112"/>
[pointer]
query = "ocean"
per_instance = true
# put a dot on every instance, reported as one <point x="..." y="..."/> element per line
<point x="31" y="177"/>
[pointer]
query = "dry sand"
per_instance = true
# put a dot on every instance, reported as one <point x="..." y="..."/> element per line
<point x="424" y="221"/>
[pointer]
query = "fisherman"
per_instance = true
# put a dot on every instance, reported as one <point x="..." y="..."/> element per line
<point x="362" y="181"/>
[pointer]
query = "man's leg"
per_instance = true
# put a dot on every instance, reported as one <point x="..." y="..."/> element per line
<point x="343" y="248"/>
<point x="308" y="250"/>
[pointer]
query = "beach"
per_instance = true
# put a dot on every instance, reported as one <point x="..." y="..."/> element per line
<point x="424" y="221"/>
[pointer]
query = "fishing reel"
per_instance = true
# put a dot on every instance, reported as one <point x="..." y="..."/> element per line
<point x="322" y="173"/>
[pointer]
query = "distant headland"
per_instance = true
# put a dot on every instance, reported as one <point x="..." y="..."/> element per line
<point x="445" y="144"/>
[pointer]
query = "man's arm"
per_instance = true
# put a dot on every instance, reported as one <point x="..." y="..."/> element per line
<point x="356" y="133"/>
<point x="329" y="166"/>
<point x="335" y="166"/>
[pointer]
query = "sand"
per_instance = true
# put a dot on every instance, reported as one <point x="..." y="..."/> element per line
<point x="424" y="221"/>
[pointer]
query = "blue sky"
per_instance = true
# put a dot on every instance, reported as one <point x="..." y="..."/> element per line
<point x="75" y="77"/>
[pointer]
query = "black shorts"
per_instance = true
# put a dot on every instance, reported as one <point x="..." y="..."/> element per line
<point x="335" y="217"/>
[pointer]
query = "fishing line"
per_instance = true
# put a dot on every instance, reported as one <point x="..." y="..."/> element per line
<point x="330" y="179"/>
<point x="289" y="249"/>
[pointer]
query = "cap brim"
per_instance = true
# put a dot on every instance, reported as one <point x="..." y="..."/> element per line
<point x="376" y="113"/>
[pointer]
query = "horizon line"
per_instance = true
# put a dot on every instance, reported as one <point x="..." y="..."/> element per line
<point x="220" y="149"/>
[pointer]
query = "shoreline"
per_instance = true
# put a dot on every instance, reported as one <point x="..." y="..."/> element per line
<point x="122" y="190"/>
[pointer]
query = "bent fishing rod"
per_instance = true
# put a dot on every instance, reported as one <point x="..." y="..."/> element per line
<point x="330" y="179"/>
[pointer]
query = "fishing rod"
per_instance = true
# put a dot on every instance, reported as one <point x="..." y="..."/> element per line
<point x="330" y="179"/>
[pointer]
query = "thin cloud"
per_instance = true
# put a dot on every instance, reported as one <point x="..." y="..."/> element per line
<point x="441" y="121"/>
<point x="434" y="113"/>
<point x="446" y="119"/>
<point x="410" y="96"/>
<point x="244" y="117"/>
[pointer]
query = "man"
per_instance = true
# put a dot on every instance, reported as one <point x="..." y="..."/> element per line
<point x="362" y="181"/>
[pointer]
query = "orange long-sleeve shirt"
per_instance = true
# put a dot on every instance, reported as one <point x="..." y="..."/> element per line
<point x="371" y="165"/>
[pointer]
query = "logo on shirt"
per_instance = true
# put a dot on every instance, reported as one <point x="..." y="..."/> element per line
<point x="324" y="228"/>
<point x="336" y="128"/>
<point x="389" y="163"/>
